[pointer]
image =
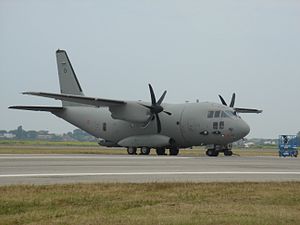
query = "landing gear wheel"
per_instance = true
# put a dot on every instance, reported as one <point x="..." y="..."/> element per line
<point x="145" y="151"/>
<point x="160" y="151"/>
<point x="228" y="153"/>
<point x="131" y="151"/>
<point x="296" y="154"/>
<point x="212" y="152"/>
<point x="174" y="151"/>
<point x="216" y="153"/>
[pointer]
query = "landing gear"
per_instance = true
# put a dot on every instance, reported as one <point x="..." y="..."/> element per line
<point x="131" y="150"/>
<point x="214" y="150"/>
<point x="228" y="152"/>
<point x="174" y="151"/>
<point x="161" y="151"/>
<point x="145" y="151"/>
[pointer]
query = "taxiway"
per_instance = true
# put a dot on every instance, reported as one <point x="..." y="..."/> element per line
<point x="52" y="169"/>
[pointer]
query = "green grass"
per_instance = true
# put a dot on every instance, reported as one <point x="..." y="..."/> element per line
<point x="154" y="203"/>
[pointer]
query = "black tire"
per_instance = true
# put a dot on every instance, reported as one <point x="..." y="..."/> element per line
<point x="210" y="152"/>
<point x="131" y="151"/>
<point x="216" y="153"/>
<point x="174" y="151"/>
<point x="228" y="153"/>
<point x="145" y="151"/>
<point x="161" y="151"/>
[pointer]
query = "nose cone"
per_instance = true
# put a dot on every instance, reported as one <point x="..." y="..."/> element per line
<point x="244" y="129"/>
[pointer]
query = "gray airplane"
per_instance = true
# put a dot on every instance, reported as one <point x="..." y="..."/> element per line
<point x="144" y="125"/>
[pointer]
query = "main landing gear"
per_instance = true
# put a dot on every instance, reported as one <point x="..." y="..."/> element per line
<point x="146" y="151"/>
<point x="214" y="150"/>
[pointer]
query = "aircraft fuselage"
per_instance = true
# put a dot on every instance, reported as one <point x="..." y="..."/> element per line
<point x="189" y="125"/>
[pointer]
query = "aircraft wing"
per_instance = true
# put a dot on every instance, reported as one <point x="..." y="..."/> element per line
<point x="245" y="110"/>
<point x="98" y="102"/>
<point x="52" y="109"/>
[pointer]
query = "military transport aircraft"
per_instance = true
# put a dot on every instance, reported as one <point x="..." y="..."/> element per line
<point x="144" y="125"/>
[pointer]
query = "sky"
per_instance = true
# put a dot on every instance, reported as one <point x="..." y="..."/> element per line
<point x="193" y="49"/>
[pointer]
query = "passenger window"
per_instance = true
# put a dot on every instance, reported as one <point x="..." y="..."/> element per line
<point x="221" y="125"/>
<point x="210" y="114"/>
<point x="104" y="126"/>
<point x="217" y="114"/>
<point x="215" y="125"/>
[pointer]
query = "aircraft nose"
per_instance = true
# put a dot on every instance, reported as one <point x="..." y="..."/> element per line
<point x="245" y="129"/>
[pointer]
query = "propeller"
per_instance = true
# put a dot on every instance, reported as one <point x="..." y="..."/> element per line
<point x="231" y="102"/>
<point x="156" y="108"/>
<point x="238" y="110"/>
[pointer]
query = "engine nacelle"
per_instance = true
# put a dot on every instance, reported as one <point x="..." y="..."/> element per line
<point x="131" y="112"/>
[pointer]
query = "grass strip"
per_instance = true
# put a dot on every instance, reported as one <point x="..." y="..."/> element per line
<point x="153" y="203"/>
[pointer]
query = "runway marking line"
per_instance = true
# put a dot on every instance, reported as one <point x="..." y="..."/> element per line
<point x="152" y="173"/>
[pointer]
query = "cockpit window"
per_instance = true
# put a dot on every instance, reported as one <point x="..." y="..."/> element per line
<point x="231" y="113"/>
<point x="210" y="114"/>
<point x="224" y="115"/>
<point x="217" y="114"/>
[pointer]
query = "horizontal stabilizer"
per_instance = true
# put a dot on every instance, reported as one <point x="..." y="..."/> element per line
<point x="244" y="110"/>
<point x="52" y="109"/>
<point x="98" y="102"/>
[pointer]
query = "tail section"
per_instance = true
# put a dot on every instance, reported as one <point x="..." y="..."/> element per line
<point x="68" y="81"/>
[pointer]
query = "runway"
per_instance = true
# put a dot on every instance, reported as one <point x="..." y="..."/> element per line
<point x="52" y="169"/>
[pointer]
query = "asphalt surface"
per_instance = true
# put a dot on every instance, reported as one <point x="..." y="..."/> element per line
<point x="53" y="169"/>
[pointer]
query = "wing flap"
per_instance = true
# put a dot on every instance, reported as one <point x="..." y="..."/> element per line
<point x="98" y="102"/>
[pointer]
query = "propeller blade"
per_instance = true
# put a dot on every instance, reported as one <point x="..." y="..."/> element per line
<point x="222" y="100"/>
<point x="148" y="121"/>
<point x="147" y="106"/>
<point x="162" y="98"/>
<point x="232" y="100"/>
<point x="153" y="99"/>
<point x="158" y="123"/>
<point x="166" y="112"/>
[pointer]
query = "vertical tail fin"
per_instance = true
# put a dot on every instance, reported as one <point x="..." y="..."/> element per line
<point x="68" y="81"/>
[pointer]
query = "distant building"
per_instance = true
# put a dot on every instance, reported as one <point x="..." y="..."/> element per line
<point x="8" y="136"/>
